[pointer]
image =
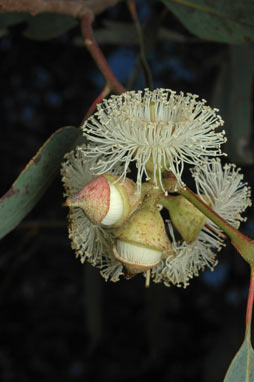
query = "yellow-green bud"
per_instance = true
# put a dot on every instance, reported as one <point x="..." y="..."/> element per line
<point x="186" y="218"/>
<point x="142" y="241"/>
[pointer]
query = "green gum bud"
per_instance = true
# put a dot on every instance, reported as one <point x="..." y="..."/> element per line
<point x="146" y="228"/>
<point x="142" y="241"/>
<point x="186" y="218"/>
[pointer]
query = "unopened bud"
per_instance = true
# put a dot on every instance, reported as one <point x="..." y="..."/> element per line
<point x="186" y="218"/>
<point x="142" y="241"/>
<point x="106" y="201"/>
<point x="94" y="199"/>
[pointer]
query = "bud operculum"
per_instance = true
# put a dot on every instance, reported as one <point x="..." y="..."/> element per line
<point x="106" y="201"/>
<point x="186" y="218"/>
<point x="142" y="240"/>
<point x="94" y="199"/>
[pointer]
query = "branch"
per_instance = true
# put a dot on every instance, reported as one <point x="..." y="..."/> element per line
<point x="75" y="8"/>
<point x="142" y="54"/>
<point x="106" y="91"/>
<point x="94" y="49"/>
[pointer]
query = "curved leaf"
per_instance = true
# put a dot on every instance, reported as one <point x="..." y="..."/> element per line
<point x="34" y="180"/>
<point x="242" y="366"/>
<point x="48" y="25"/>
<point x="11" y="18"/>
<point x="233" y="96"/>
<point x="230" y="21"/>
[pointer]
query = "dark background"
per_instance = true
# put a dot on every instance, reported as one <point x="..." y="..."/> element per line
<point x="59" y="320"/>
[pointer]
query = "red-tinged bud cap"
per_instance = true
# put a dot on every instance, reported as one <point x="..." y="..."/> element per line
<point x="94" y="199"/>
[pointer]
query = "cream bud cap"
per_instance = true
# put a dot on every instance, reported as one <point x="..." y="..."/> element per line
<point x="142" y="241"/>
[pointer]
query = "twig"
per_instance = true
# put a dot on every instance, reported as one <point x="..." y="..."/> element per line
<point x="94" y="49"/>
<point x="75" y="8"/>
<point x="243" y="244"/>
<point x="106" y="91"/>
<point x="250" y="301"/>
<point x="147" y="71"/>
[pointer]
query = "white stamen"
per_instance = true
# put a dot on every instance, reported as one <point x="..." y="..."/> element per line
<point x="135" y="254"/>
<point x="115" y="211"/>
<point x="91" y="242"/>
<point x="139" y="126"/>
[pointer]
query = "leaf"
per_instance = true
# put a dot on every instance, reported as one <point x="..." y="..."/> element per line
<point x="49" y="25"/>
<point x="115" y="32"/>
<point x="233" y="96"/>
<point x="11" y="18"/>
<point x="230" y="21"/>
<point x="34" y="180"/>
<point x="119" y="33"/>
<point x="242" y="367"/>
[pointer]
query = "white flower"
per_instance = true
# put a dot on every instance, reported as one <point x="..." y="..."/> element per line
<point x="224" y="189"/>
<point x="91" y="242"/>
<point x="225" y="192"/>
<point x="111" y="268"/>
<point x="188" y="260"/>
<point x="158" y="129"/>
<point x="221" y="187"/>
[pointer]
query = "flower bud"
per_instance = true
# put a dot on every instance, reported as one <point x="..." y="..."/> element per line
<point x="106" y="201"/>
<point x="186" y="218"/>
<point x="94" y="199"/>
<point x="130" y="199"/>
<point x="142" y="241"/>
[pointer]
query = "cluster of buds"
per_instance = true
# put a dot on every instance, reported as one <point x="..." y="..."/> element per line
<point x="117" y="224"/>
<point x="137" y="226"/>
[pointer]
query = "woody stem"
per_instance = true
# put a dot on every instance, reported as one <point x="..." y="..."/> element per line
<point x="96" y="53"/>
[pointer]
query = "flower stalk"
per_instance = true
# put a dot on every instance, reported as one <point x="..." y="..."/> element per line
<point x="241" y="242"/>
<point x="250" y="301"/>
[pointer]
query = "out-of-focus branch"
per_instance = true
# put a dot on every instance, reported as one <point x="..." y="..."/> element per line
<point x="142" y="54"/>
<point x="106" y="91"/>
<point x="94" y="49"/>
<point x="250" y="301"/>
<point x="74" y="8"/>
<point x="85" y="11"/>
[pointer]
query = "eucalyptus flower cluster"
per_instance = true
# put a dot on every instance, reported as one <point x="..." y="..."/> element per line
<point x="118" y="224"/>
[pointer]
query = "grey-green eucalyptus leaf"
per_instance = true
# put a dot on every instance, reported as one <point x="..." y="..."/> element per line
<point x="242" y="366"/>
<point x="230" y="21"/>
<point x="12" y="18"/>
<point x="233" y="96"/>
<point x="34" y="180"/>
<point x="48" y="25"/>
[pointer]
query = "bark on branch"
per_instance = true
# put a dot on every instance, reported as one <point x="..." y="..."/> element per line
<point x="96" y="53"/>
<point x="76" y="8"/>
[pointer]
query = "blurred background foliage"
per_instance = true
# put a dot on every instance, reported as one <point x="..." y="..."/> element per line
<point x="59" y="319"/>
